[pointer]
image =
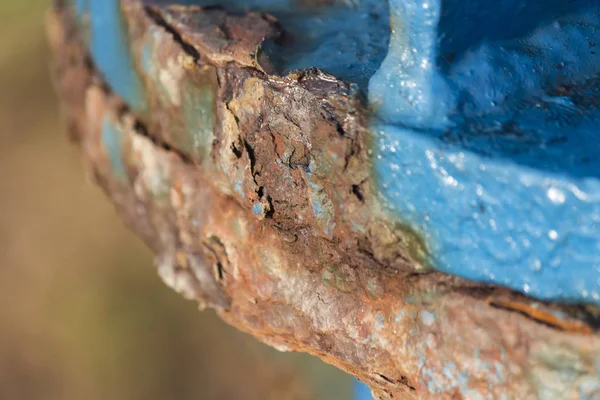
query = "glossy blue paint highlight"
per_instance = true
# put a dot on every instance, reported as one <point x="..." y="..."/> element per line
<point x="452" y="60"/>
<point x="110" y="51"/>
<point x="408" y="88"/>
<point x="488" y="136"/>
<point x="362" y="391"/>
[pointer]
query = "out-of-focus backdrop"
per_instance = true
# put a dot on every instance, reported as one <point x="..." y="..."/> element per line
<point x="82" y="313"/>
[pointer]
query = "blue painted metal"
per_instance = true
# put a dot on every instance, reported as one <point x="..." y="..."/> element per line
<point x="362" y="391"/>
<point x="110" y="50"/>
<point x="491" y="153"/>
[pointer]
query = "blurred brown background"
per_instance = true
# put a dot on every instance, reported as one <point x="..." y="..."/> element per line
<point x="82" y="313"/>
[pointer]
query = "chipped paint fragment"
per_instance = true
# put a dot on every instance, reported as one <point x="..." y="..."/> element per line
<point x="112" y="139"/>
<point x="427" y="317"/>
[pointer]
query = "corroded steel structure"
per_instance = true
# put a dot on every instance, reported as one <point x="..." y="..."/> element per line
<point x="255" y="189"/>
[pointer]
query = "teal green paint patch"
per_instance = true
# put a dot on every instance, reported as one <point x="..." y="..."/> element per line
<point x="186" y="93"/>
<point x="198" y="107"/>
<point x="112" y="141"/>
<point x="109" y="46"/>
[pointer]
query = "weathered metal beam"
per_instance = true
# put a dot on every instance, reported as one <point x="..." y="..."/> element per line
<point x="256" y="193"/>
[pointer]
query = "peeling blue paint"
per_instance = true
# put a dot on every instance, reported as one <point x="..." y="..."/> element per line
<point x="492" y="155"/>
<point x="362" y="391"/>
<point x="112" y="143"/>
<point x="110" y="50"/>
<point x="257" y="209"/>
<point x="238" y="188"/>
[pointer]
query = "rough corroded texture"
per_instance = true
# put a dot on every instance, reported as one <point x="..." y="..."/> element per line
<point x="254" y="192"/>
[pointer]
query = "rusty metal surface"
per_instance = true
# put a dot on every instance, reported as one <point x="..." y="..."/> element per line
<point x="260" y="206"/>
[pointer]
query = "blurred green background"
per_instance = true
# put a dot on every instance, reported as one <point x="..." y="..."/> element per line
<point x="83" y="314"/>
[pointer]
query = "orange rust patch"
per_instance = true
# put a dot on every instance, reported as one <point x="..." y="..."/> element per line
<point x="539" y="314"/>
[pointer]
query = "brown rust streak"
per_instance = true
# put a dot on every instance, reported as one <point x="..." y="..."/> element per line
<point x="542" y="314"/>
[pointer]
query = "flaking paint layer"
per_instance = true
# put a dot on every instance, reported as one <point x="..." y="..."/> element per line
<point x="111" y="53"/>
